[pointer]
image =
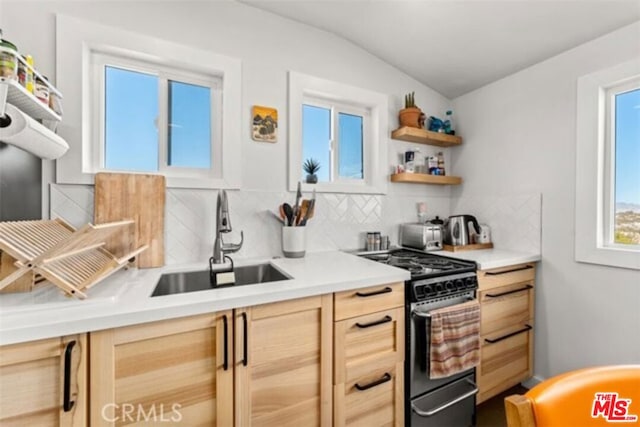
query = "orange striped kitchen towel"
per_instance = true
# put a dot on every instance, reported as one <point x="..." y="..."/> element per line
<point x="454" y="339"/>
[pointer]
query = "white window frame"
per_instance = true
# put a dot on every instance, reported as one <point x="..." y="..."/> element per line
<point x="99" y="62"/>
<point x="595" y="166"/>
<point x="372" y="106"/>
<point x="77" y="41"/>
<point x="336" y="108"/>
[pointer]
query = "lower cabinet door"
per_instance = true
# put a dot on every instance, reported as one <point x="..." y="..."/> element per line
<point x="173" y="372"/>
<point x="372" y="396"/>
<point x="283" y="354"/>
<point x="44" y="383"/>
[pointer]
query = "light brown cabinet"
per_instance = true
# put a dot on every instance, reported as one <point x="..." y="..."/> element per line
<point x="283" y="362"/>
<point x="267" y="365"/>
<point x="369" y="357"/>
<point x="44" y="383"/>
<point x="172" y="371"/>
<point x="506" y="328"/>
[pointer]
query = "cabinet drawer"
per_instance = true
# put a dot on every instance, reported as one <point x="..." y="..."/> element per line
<point x="368" y="300"/>
<point x="368" y="338"/>
<point x="505" y="359"/>
<point x="512" y="274"/>
<point x="371" y="397"/>
<point x="505" y="306"/>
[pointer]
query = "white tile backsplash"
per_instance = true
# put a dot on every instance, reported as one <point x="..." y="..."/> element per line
<point x="340" y="221"/>
<point x="515" y="220"/>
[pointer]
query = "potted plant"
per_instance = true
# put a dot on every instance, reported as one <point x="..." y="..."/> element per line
<point x="410" y="114"/>
<point x="311" y="166"/>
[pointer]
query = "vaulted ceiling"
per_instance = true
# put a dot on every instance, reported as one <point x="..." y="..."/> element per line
<point x="457" y="46"/>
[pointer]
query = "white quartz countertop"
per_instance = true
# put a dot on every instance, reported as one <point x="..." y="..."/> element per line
<point x="125" y="298"/>
<point x="493" y="258"/>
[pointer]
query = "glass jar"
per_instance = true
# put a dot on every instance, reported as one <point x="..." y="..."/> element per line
<point x="41" y="91"/>
<point x="8" y="60"/>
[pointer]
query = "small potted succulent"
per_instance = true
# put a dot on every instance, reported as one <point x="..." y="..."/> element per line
<point x="410" y="114"/>
<point x="311" y="166"/>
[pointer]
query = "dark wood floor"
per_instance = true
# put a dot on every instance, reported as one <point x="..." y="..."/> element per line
<point x="491" y="412"/>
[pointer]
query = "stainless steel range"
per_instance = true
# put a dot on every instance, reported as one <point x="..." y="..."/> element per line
<point x="436" y="282"/>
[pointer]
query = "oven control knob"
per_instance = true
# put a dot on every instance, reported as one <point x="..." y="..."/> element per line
<point x="439" y="287"/>
<point x="450" y="285"/>
<point x="459" y="284"/>
<point x="428" y="290"/>
<point x="470" y="282"/>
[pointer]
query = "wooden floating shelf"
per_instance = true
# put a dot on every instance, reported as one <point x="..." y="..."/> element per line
<point x="421" y="178"/>
<point x="423" y="136"/>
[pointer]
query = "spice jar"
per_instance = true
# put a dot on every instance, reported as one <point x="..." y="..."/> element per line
<point x="41" y="90"/>
<point x="8" y="59"/>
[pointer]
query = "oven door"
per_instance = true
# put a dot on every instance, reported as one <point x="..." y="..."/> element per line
<point x="417" y="360"/>
<point x="453" y="405"/>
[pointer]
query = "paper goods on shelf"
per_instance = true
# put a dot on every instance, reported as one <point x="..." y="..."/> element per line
<point x="19" y="129"/>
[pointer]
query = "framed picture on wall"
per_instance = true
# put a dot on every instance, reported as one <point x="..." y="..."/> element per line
<point x="265" y="124"/>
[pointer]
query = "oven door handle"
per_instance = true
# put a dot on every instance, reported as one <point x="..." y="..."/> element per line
<point x="444" y="406"/>
<point x="427" y="315"/>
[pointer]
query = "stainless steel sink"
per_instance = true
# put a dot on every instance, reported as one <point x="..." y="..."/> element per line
<point x="193" y="281"/>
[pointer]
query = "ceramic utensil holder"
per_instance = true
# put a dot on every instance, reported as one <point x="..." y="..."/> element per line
<point x="294" y="241"/>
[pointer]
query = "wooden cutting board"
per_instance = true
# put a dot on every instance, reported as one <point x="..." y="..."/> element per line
<point x="120" y="196"/>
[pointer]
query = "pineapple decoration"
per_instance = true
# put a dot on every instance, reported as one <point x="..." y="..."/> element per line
<point x="311" y="166"/>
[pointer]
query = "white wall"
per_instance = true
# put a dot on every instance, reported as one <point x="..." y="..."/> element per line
<point x="269" y="46"/>
<point x="520" y="137"/>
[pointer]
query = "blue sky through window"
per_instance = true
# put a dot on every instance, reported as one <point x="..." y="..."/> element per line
<point x="350" y="146"/>
<point x="627" y="174"/>
<point x="316" y="133"/>
<point x="189" y="125"/>
<point x="131" y="111"/>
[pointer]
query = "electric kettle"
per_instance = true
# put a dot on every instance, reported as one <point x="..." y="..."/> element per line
<point x="456" y="231"/>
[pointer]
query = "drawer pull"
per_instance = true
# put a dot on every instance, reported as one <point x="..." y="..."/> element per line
<point x="67" y="403"/>
<point x="497" y="273"/>
<point x="385" y="378"/>
<point x="525" y="329"/>
<point x="501" y="294"/>
<point x="386" y="290"/>
<point x="385" y="319"/>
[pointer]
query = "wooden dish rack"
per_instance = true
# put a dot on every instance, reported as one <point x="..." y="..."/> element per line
<point x="73" y="260"/>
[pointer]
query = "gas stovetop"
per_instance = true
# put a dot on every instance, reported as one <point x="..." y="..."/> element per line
<point x="423" y="265"/>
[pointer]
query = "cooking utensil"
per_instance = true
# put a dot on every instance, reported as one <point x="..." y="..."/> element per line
<point x="283" y="216"/>
<point x="288" y="212"/>
<point x="309" y="214"/>
<point x="304" y="208"/>
<point x="121" y="196"/>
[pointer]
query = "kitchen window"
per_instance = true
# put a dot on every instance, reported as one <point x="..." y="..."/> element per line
<point x="334" y="134"/>
<point x="608" y="176"/>
<point x="156" y="119"/>
<point x="341" y="127"/>
<point x="135" y="103"/>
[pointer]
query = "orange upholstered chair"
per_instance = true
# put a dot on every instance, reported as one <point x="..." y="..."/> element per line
<point x="598" y="396"/>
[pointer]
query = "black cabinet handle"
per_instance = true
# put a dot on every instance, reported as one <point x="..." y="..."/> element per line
<point x="497" y="273"/>
<point x="385" y="378"/>
<point x="504" y="337"/>
<point x="67" y="404"/>
<point x="245" y="358"/>
<point x="385" y="319"/>
<point x="386" y="290"/>
<point x="501" y="294"/>
<point x="225" y="327"/>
